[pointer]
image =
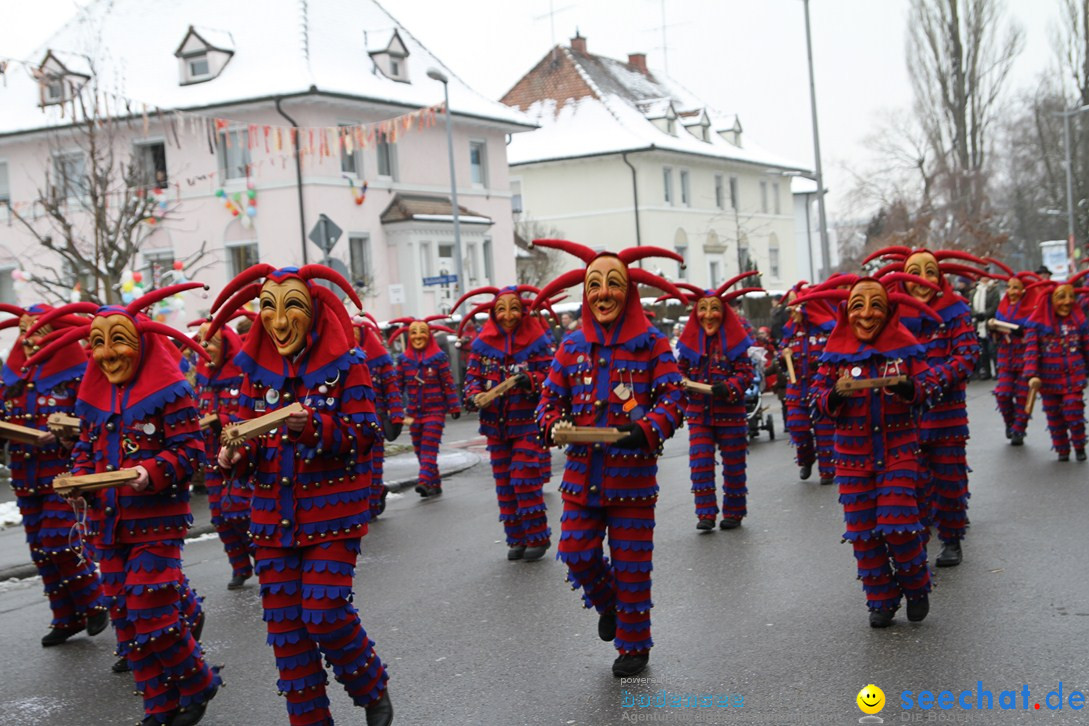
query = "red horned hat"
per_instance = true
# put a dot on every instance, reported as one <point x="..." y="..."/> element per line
<point x="66" y="363"/>
<point x="432" y="347"/>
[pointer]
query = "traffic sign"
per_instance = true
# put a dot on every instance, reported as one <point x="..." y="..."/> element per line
<point x="325" y="233"/>
<point x="440" y="280"/>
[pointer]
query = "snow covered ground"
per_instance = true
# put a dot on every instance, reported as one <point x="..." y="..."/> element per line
<point x="9" y="515"/>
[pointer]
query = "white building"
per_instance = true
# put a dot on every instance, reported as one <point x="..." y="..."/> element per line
<point x="626" y="156"/>
<point x="209" y="95"/>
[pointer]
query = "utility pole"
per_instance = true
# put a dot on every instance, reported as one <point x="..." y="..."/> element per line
<point x="826" y="253"/>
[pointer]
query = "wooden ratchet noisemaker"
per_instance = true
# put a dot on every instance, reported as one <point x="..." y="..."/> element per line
<point x="236" y="434"/>
<point x="67" y="484"/>
<point x="704" y="388"/>
<point x="1030" y="402"/>
<point x="1002" y="326"/>
<point x="788" y="358"/>
<point x="586" y="434"/>
<point x="493" y="393"/>
<point x="861" y="384"/>
<point x="61" y="424"/>
<point x="207" y="421"/>
<point x="22" y="434"/>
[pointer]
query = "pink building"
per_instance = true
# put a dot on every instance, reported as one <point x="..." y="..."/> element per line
<point x="208" y="93"/>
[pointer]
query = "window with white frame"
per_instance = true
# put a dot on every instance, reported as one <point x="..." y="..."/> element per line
<point x="241" y="256"/>
<point x="233" y="151"/>
<point x="667" y="185"/>
<point x="54" y="89"/>
<point x="516" y="196"/>
<point x="69" y="175"/>
<point x="359" y="253"/>
<point x="680" y="246"/>
<point x="158" y="267"/>
<point x="387" y="157"/>
<point x="7" y="285"/>
<point x="150" y="160"/>
<point x="5" y="188"/>
<point x="349" y="160"/>
<point x="478" y="163"/>
<point x="197" y="67"/>
<point x="686" y="189"/>
<point x="489" y="270"/>
<point x="734" y="199"/>
<point x="743" y="259"/>
<point x="720" y="193"/>
<point x="763" y="196"/>
<point x="714" y="272"/>
<point x="775" y="197"/>
<point x="425" y="259"/>
<point x="773" y="256"/>
<point x="472" y="268"/>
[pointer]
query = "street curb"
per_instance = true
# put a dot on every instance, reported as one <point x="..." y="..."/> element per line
<point x="22" y="572"/>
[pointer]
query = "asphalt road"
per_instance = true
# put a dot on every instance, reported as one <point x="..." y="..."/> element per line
<point x="769" y="615"/>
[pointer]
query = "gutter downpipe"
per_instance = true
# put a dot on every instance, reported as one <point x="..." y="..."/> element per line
<point x="635" y="198"/>
<point x="298" y="183"/>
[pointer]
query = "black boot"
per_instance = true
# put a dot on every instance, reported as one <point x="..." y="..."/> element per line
<point x="191" y="715"/>
<point x="421" y="490"/>
<point x="630" y="664"/>
<point x="56" y="636"/>
<point x="881" y="618"/>
<point x="729" y="523"/>
<point x="380" y="713"/>
<point x="806" y="472"/>
<point x="705" y="523"/>
<point x="917" y="609"/>
<point x="516" y="553"/>
<point x="121" y="665"/>
<point x="606" y="625"/>
<point x="826" y="480"/>
<point x="535" y="552"/>
<point x="97" y="621"/>
<point x="1079" y="454"/>
<point x="238" y="582"/>
<point x="198" y="628"/>
<point x="1017" y="439"/>
<point x="950" y="556"/>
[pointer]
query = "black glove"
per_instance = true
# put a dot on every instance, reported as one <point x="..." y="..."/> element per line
<point x="455" y="415"/>
<point x="217" y="427"/>
<point x="635" y="438"/>
<point x="721" y="390"/>
<point x="835" y="398"/>
<point x="1019" y="333"/>
<point x="391" y="430"/>
<point x="905" y="390"/>
<point x="524" y="381"/>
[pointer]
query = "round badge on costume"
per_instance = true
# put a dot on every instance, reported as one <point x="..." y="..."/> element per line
<point x="148" y="428"/>
<point x="272" y="396"/>
<point x="856" y="371"/>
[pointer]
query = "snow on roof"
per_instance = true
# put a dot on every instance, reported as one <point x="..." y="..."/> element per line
<point x="619" y="119"/>
<point x="281" y="47"/>
<point x="802" y="185"/>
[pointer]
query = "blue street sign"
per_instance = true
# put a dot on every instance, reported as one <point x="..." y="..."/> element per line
<point x="440" y="280"/>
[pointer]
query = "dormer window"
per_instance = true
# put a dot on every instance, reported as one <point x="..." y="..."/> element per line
<point x="59" y="80"/>
<point x="391" y="60"/>
<point x="202" y="55"/>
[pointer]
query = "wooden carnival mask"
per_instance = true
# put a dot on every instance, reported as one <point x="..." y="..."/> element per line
<point x="924" y="265"/>
<point x="709" y="313"/>
<point x="31" y="343"/>
<point x="607" y="288"/>
<point x="287" y="313"/>
<point x="419" y="334"/>
<point x="1062" y="300"/>
<point x="115" y="347"/>
<point x="508" y="311"/>
<point x="214" y="346"/>
<point x="1015" y="290"/>
<point x="868" y="310"/>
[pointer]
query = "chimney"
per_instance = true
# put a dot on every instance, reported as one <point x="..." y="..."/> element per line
<point x="578" y="43"/>
<point x="638" y="61"/>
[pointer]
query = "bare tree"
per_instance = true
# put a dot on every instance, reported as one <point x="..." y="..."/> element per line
<point x="1071" y="43"/>
<point x="539" y="265"/>
<point x="959" y="55"/>
<point x="97" y="207"/>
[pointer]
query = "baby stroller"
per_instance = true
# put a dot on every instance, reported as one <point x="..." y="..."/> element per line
<point x="755" y="411"/>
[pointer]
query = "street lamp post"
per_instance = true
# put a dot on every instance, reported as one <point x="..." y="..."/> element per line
<point x="826" y="252"/>
<point x="437" y="75"/>
<point x="1067" y="115"/>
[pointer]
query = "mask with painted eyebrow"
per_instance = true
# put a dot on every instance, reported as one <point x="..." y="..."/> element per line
<point x="287" y="313"/>
<point x="709" y="313"/>
<point x="1015" y="290"/>
<point x="924" y="265"/>
<point x="508" y="311"/>
<point x="607" y="285"/>
<point x="115" y="347"/>
<point x="419" y="334"/>
<point x="1062" y="300"/>
<point x="867" y="310"/>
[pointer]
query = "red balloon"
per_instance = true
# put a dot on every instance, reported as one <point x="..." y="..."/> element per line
<point x="179" y="265"/>
<point x="137" y="276"/>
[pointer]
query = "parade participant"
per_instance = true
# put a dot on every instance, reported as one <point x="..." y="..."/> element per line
<point x="616" y="371"/>
<point x="312" y="482"/>
<point x="952" y="350"/>
<point x="31" y="395"/>
<point x="876" y="466"/>
<point x="389" y="405"/>
<point x="219" y="384"/>
<point x="804" y="335"/>
<point x="512" y="342"/>
<point x="1057" y="361"/>
<point x="1011" y="392"/>
<point x="423" y="375"/>
<point x="713" y="349"/>
<point x="139" y="413"/>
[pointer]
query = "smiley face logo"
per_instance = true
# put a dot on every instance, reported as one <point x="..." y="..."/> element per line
<point x="871" y="699"/>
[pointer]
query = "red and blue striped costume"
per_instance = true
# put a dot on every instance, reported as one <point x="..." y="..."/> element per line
<point x="607" y="489"/>
<point x="311" y="504"/>
<point x="388" y="405"/>
<point x="218" y="389"/>
<point x="952" y="350"/>
<point x="715" y="422"/>
<point x="1011" y="391"/>
<point x="424" y="377"/>
<point x="810" y="432"/>
<point x="509" y="425"/>
<point x="138" y="536"/>
<point x="877" y="458"/>
<point x="1057" y="352"/>
<point x="70" y="582"/>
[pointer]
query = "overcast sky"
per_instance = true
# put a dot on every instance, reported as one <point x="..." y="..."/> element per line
<point x="741" y="56"/>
